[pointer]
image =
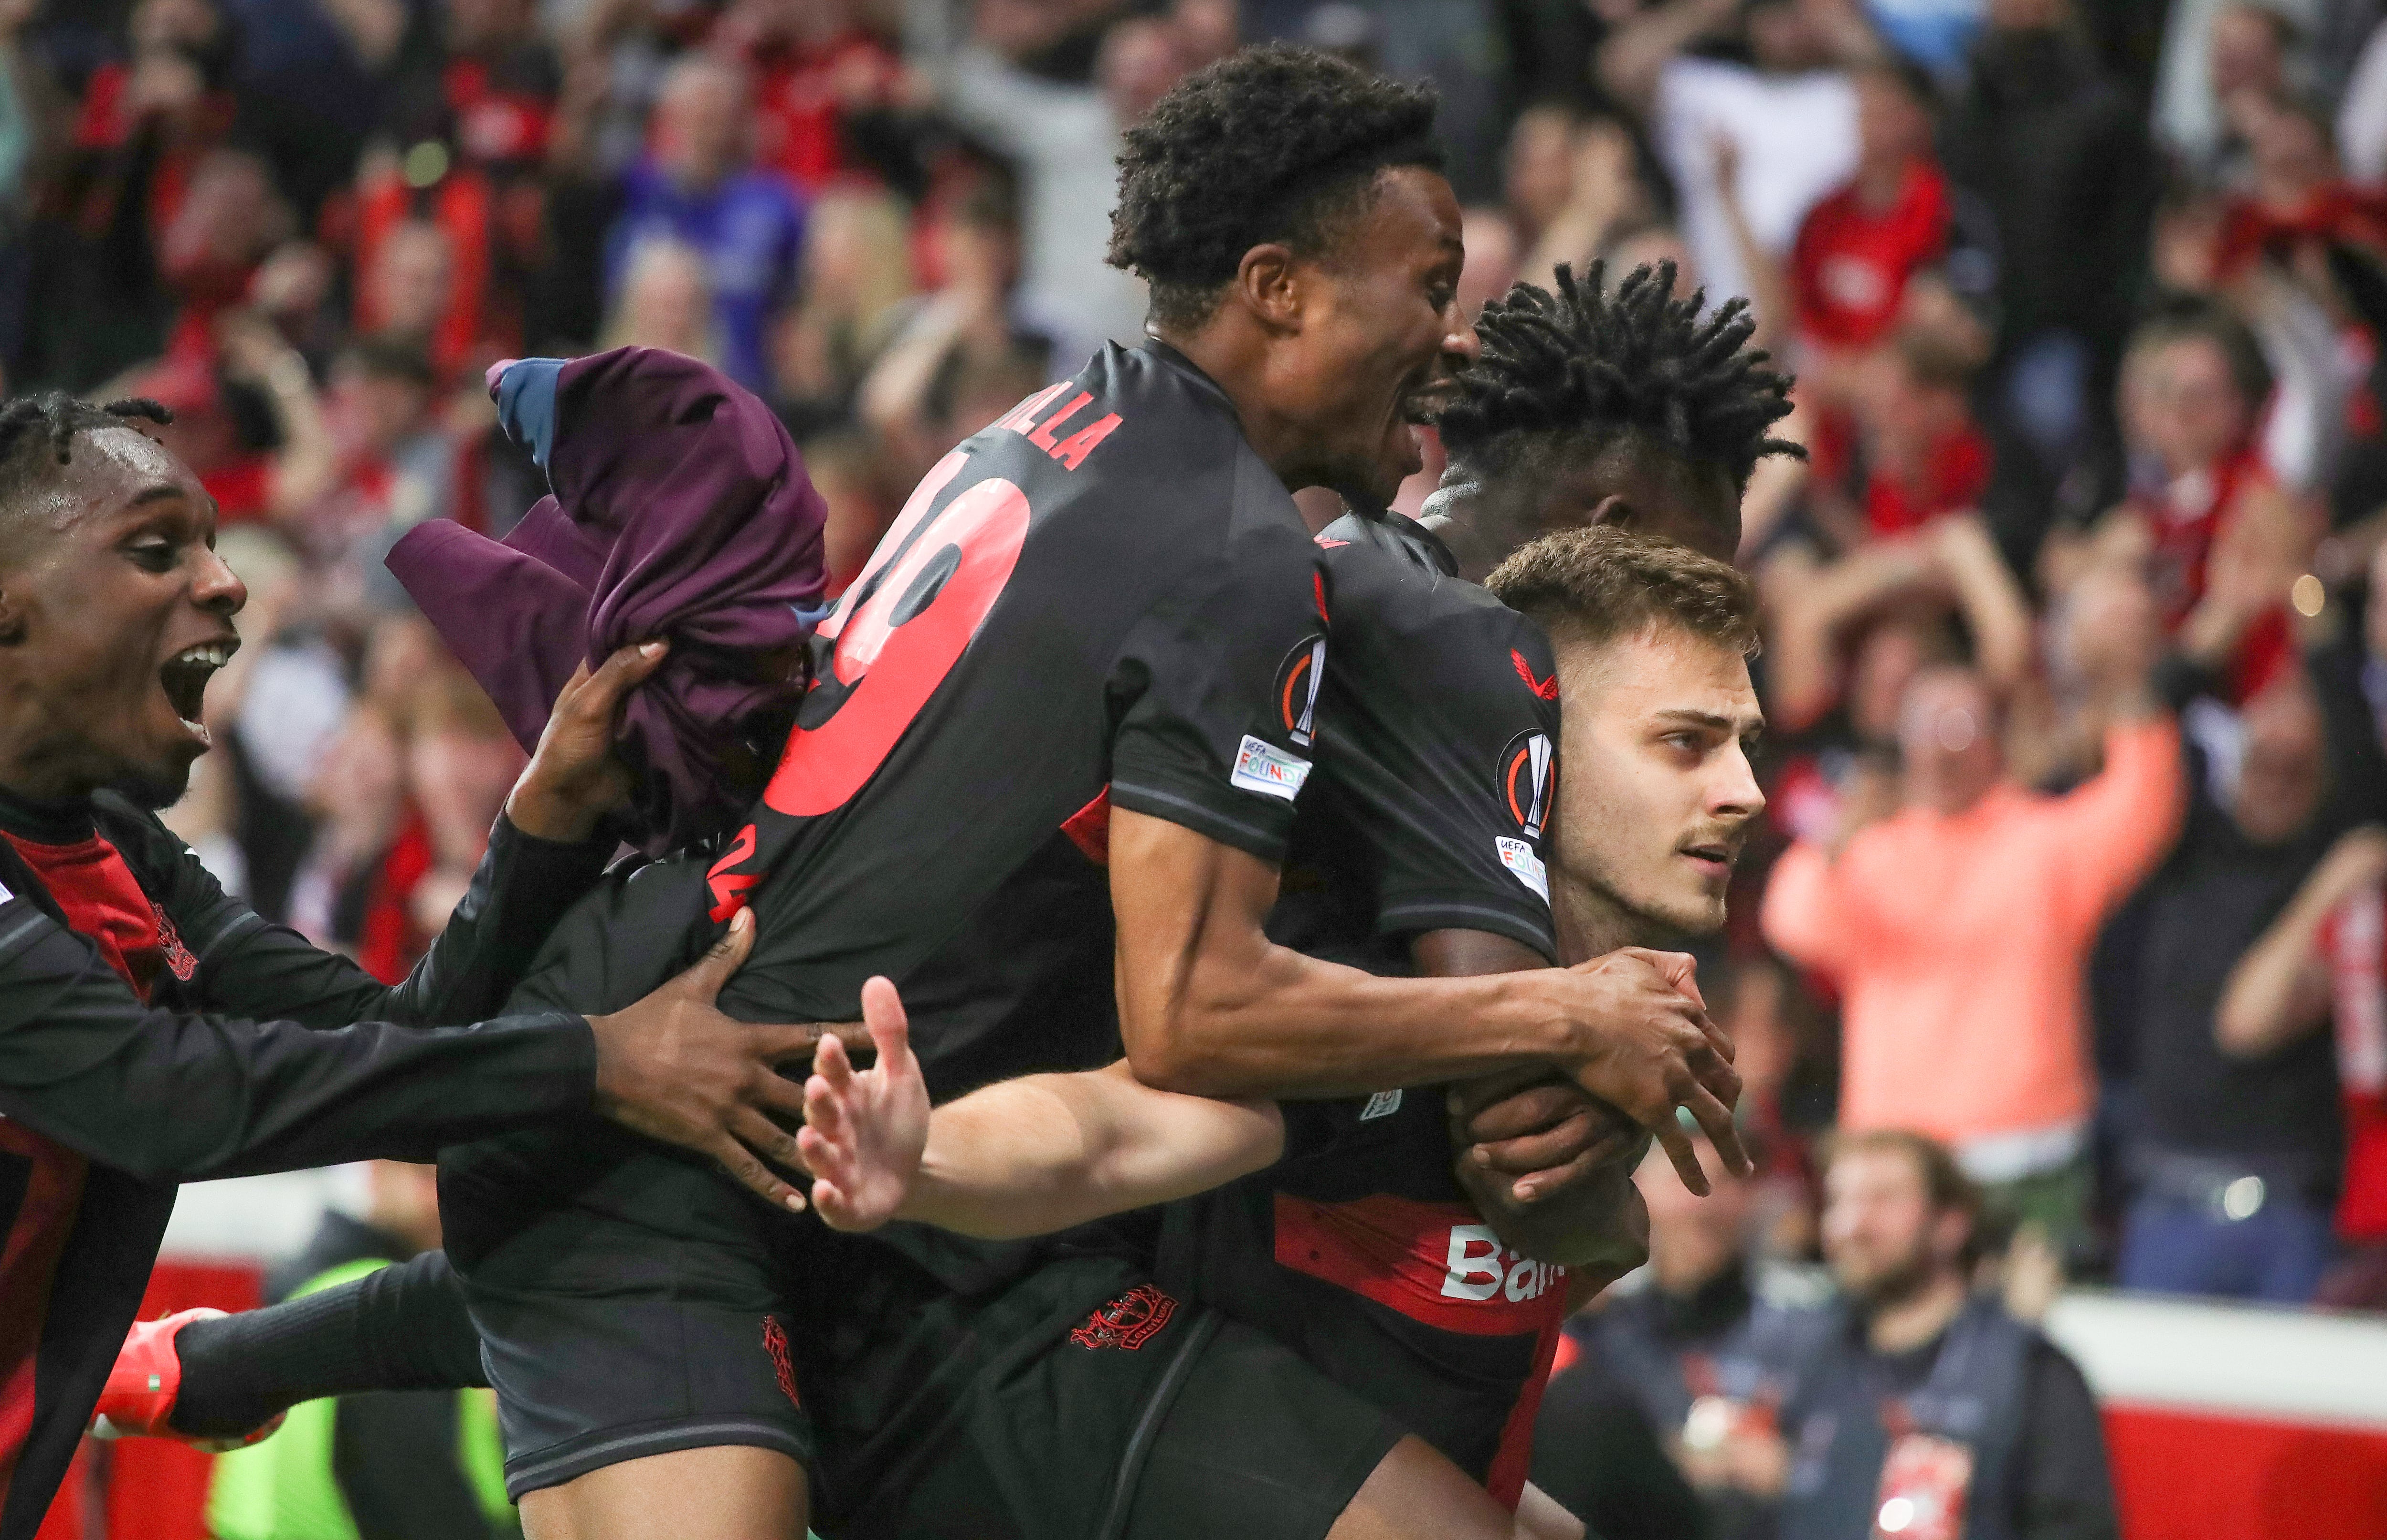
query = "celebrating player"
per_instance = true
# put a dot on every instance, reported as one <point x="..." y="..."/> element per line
<point x="126" y="974"/>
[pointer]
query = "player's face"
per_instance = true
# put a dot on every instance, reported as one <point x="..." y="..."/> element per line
<point x="1656" y="795"/>
<point x="1879" y="1230"/>
<point x="113" y="614"/>
<point x="1380" y="345"/>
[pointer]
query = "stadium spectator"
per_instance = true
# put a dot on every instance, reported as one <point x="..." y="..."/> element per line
<point x="1856" y="248"/>
<point x="2220" y="540"/>
<point x="1957" y="931"/>
<point x="2234" y="1148"/>
<point x="2050" y="144"/>
<point x="1790" y="114"/>
<point x="1699" y="1359"/>
<point x="1927" y="1401"/>
<point x="701" y="188"/>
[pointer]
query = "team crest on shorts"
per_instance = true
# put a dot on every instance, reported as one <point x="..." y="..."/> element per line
<point x="1127" y="1323"/>
<point x="774" y="1343"/>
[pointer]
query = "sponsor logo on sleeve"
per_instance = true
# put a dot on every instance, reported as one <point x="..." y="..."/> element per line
<point x="1298" y="679"/>
<point x="1528" y="767"/>
<point x="1268" y="770"/>
<point x="1524" y="865"/>
<point x="4" y="894"/>
<point x="1546" y="688"/>
<point x="1384" y="1104"/>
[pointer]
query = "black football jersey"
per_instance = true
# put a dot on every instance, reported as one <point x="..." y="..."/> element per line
<point x="1436" y="754"/>
<point x="1105" y="598"/>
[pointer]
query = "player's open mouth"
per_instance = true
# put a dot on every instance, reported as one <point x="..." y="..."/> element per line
<point x="1716" y="860"/>
<point x="184" y="678"/>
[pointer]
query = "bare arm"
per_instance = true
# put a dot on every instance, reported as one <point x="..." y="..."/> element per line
<point x="1016" y="1158"/>
<point x="1991" y="602"/>
<point x="1541" y="1157"/>
<point x="1210" y="1006"/>
<point x="1634" y="53"/>
<point x="1813" y="602"/>
<point x="2278" y="991"/>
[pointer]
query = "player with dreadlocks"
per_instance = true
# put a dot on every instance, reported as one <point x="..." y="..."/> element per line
<point x="1631" y="407"/>
<point x="153" y="1030"/>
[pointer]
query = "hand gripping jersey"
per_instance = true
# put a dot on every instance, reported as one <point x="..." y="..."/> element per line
<point x="1437" y="749"/>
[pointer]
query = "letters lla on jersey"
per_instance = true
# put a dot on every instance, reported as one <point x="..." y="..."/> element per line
<point x="1438" y="1263"/>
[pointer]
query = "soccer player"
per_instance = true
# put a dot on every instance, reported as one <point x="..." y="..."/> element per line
<point x="1652" y="642"/>
<point x="1449" y="683"/>
<point x="153" y="1030"/>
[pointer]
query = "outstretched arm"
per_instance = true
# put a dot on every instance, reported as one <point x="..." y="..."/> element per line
<point x="1019" y="1158"/>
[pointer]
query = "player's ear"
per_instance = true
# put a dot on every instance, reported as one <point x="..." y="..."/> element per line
<point x="1269" y="283"/>
<point x="1616" y="510"/>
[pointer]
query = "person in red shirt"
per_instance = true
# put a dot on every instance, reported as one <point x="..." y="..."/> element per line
<point x="1856" y="249"/>
<point x="2222" y="539"/>
<point x="815" y="68"/>
<point x="1925" y="458"/>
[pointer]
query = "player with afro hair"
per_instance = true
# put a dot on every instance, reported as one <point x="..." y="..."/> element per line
<point x="1289" y="211"/>
<point x="1277" y="143"/>
<point x="1590" y="406"/>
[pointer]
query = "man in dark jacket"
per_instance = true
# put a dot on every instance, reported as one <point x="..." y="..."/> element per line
<point x="1924" y="1409"/>
<point x="154" y="1029"/>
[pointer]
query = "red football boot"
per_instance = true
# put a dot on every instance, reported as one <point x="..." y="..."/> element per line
<point x="139" y="1399"/>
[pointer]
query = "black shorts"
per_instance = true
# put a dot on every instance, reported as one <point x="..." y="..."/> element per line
<point x="625" y="1298"/>
<point x="632" y="1302"/>
<point x="1148" y="1418"/>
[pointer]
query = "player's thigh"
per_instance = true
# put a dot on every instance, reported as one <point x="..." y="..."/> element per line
<point x="1541" y="1517"/>
<point x="636" y="1314"/>
<point x="1416" y="1493"/>
<point x="725" y="1493"/>
<point x="1255" y="1444"/>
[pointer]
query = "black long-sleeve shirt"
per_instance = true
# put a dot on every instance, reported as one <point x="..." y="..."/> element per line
<point x="252" y="1051"/>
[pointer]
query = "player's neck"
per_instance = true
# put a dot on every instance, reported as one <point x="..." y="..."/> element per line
<point x="1457" y="515"/>
<point x="1239" y="359"/>
<point x="1590" y="924"/>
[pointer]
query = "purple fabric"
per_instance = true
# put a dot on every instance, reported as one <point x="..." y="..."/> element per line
<point x="680" y="509"/>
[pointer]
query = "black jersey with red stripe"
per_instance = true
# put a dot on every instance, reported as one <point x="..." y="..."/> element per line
<point x="1437" y="733"/>
<point x="1105" y="598"/>
<point x="116" y="1080"/>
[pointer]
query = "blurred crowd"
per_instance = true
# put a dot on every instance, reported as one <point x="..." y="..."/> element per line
<point x="2074" y="860"/>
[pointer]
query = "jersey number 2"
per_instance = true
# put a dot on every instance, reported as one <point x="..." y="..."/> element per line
<point x="899" y="630"/>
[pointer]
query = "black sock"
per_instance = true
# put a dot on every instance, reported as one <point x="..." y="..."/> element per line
<point x="403" y="1328"/>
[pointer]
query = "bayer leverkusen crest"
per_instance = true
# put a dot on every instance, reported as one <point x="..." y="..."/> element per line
<point x="1127" y="1323"/>
<point x="1298" y="679"/>
<point x="1528" y="772"/>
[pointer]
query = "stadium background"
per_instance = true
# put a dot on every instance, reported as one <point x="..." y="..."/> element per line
<point x="308" y="225"/>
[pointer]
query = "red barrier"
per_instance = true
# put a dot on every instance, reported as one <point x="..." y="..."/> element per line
<point x="2193" y="1476"/>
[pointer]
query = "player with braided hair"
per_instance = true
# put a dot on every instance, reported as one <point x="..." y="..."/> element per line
<point x="1596" y="407"/>
<point x="153" y="1030"/>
